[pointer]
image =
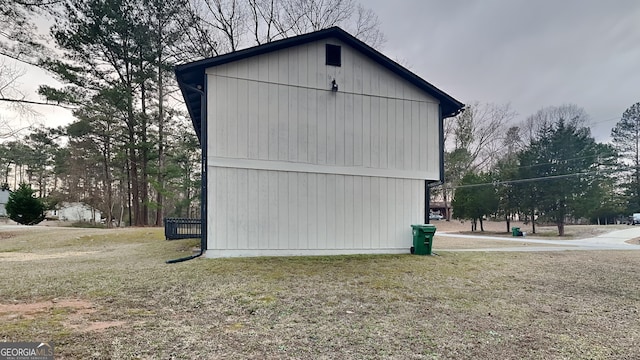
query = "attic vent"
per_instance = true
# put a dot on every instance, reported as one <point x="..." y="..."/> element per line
<point x="333" y="55"/>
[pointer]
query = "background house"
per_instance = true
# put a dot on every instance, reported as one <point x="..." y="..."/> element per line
<point x="316" y="144"/>
<point x="4" y="198"/>
<point x="74" y="212"/>
<point x="441" y="208"/>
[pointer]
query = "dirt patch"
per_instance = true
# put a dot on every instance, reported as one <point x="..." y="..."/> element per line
<point x="28" y="310"/>
<point x="635" y="241"/>
<point x="6" y="235"/>
<point x="442" y="242"/>
<point x="21" y="256"/>
<point x="499" y="228"/>
<point x="75" y="311"/>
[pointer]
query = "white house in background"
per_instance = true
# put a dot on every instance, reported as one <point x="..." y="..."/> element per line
<point x="4" y="198"/>
<point x="316" y="144"/>
<point x="74" y="212"/>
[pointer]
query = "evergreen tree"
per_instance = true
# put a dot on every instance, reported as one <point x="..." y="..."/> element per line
<point x="505" y="171"/>
<point x="626" y="140"/>
<point x="107" y="47"/>
<point x="561" y="166"/>
<point x="23" y="207"/>
<point x="475" y="198"/>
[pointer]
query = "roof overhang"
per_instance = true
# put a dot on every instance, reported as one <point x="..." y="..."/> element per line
<point x="191" y="76"/>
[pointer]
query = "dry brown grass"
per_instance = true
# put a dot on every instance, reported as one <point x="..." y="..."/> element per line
<point x="565" y="305"/>
<point x="499" y="228"/>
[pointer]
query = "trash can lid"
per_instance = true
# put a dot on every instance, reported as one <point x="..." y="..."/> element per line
<point x="424" y="227"/>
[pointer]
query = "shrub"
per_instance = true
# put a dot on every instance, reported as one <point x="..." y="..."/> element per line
<point x="23" y="207"/>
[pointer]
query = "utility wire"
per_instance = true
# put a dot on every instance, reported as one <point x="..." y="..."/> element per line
<point x="564" y="160"/>
<point x="38" y="103"/>
<point x="603" y="121"/>
<point x="542" y="178"/>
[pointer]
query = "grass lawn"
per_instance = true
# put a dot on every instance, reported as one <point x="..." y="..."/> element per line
<point x="107" y="294"/>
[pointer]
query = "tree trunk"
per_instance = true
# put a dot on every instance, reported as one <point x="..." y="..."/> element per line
<point x="107" y="188"/>
<point x="135" y="190"/>
<point x="445" y="199"/>
<point x="533" y="221"/>
<point x="121" y="214"/>
<point x="481" y="225"/>
<point x="6" y="174"/>
<point x="508" y="221"/>
<point x="560" y="229"/>
<point x="129" y="194"/>
<point x="144" y="188"/>
<point x="133" y="165"/>
<point x="160" y="179"/>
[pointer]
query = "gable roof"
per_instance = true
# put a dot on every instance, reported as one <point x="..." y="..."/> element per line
<point x="191" y="76"/>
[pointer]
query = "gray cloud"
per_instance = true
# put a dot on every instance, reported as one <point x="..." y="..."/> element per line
<point x="529" y="53"/>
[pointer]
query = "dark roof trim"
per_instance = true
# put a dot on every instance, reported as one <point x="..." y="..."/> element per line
<point x="192" y="75"/>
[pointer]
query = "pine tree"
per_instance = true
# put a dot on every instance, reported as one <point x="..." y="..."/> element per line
<point x="626" y="140"/>
<point x="23" y="207"/>
<point x="475" y="198"/>
<point x="561" y="168"/>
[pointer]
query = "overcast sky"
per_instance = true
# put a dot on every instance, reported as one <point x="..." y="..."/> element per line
<point x="529" y="53"/>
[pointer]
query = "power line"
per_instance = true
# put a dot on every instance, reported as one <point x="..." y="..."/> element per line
<point x="603" y="121"/>
<point x="37" y="103"/>
<point x="611" y="157"/>
<point x="542" y="178"/>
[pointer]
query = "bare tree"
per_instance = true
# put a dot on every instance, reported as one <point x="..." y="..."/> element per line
<point x="312" y="15"/>
<point x="266" y="24"/>
<point x="367" y="27"/>
<point x="19" y="39"/>
<point x="222" y="26"/>
<point x="481" y="130"/>
<point x="545" y="117"/>
<point x="202" y="39"/>
<point x="9" y="75"/>
<point x="20" y="44"/>
<point x="18" y="115"/>
<point x="474" y="141"/>
<point x="229" y="17"/>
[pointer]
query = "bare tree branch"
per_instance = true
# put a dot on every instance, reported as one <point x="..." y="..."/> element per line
<point x="30" y="102"/>
<point x="221" y="26"/>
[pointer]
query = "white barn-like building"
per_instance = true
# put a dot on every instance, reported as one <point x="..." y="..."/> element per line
<point x="4" y="199"/>
<point x="315" y="145"/>
<point x="75" y="211"/>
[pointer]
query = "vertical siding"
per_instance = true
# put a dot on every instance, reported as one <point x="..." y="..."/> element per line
<point x="240" y="102"/>
<point x="253" y="210"/>
<point x="262" y="131"/>
<point x="314" y="123"/>
<point x="253" y="122"/>
<point x="279" y="107"/>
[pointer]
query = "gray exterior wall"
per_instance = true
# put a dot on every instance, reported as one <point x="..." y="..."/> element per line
<point x="4" y="198"/>
<point x="295" y="168"/>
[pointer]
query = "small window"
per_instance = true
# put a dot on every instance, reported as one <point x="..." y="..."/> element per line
<point x="333" y="55"/>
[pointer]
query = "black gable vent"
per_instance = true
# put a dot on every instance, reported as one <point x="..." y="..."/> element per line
<point x="333" y="55"/>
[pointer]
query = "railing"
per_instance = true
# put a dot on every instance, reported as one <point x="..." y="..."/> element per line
<point x="177" y="228"/>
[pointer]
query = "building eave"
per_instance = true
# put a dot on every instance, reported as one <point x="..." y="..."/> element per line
<point x="191" y="76"/>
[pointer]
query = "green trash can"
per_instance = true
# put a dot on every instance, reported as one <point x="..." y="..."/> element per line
<point x="422" y="239"/>
<point x="515" y="231"/>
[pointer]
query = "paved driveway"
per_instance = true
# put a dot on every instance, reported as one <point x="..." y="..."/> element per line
<point x="615" y="240"/>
